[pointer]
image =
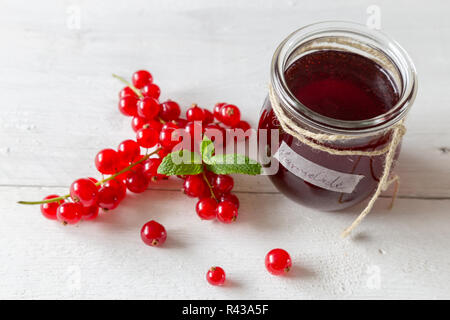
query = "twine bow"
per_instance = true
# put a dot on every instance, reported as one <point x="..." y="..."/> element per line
<point x="305" y="136"/>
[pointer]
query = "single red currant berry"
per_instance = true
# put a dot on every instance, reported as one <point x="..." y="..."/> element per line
<point x="107" y="161"/>
<point x="195" y="113"/>
<point x="169" y="136"/>
<point x="216" y="111"/>
<point x="127" y="91"/>
<point x="151" y="90"/>
<point x="209" y="117"/>
<point x="84" y="191"/>
<point x="141" y="78"/>
<point x="170" y="110"/>
<point x="137" y="123"/>
<point x="180" y="122"/>
<point x="154" y="124"/>
<point x="108" y="198"/>
<point x="128" y="106"/>
<point x="119" y="185"/>
<point x="243" y="125"/>
<point x="128" y="151"/>
<point x="195" y="186"/>
<point x="230" y="115"/>
<point x="206" y="208"/>
<point x="137" y="181"/>
<point x="49" y="209"/>
<point x="278" y="262"/>
<point x="148" y="108"/>
<point x="223" y="183"/>
<point x="215" y="276"/>
<point x="90" y="213"/>
<point x="230" y="197"/>
<point x="147" y="138"/>
<point x="151" y="169"/>
<point x="70" y="212"/>
<point x="153" y="233"/>
<point x="226" y="212"/>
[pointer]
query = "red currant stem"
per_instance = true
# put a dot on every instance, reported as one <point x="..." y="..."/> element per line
<point x="209" y="185"/>
<point x="98" y="183"/>
<point x="161" y="120"/>
<point x="136" y="90"/>
<point x="45" y="201"/>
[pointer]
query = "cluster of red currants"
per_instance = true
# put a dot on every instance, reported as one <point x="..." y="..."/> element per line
<point x="157" y="125"/>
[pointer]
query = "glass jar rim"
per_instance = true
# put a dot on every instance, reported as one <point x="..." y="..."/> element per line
<point x="373" y="39"/>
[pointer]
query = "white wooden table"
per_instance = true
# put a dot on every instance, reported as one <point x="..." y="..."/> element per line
<point x="58" y="108"/>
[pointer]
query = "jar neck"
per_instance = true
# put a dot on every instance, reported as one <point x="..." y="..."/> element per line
<point x="350" y="37"/>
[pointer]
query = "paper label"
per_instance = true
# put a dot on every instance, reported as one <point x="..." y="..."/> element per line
<point x="316" y="174"/>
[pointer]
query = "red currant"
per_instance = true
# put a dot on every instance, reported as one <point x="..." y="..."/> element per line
<point x="230" y="197"/>
<point x="49" y="209"/>
<point x="128" y="151"/>
<point x="153" y="124"/>
<point x="170" y="110"/>
<point x="195" y="186"/>
<point x="278" y="261"/>
<point x="90" y="213"/>
<point x="226" y="212"/>
<point x="217" y="109"/>
<point x="137" y="123"/>
<point x="230" y="115"/>
<point x="215" y="276"/>
<point x="137" y="181"/>
<point x="151" y="169"/>
<point x="206" y="208"/>
<point x="107" y="161"/>
<point x="195" y="113"/>
<point x="148" y="108"/>
<point x="119" y="185"/>
<point x="128" y="105"/>
<point x="141" y="78"/>
<point x="223" y="183"/>
<point x="147" y="138"/>
<point x="70" y="212"/>
<point x="209" y="117"/>
<point x="153" y="233"/>
<point x="108" y="198"/>
<point x="169" y="136"/>
<point x="84" y="191"/>
<point x="127" y="91"/>
<point x="151" y="90"/>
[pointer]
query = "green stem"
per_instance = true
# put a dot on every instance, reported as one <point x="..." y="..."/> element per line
<point x="136" y="90"/>
<point x="98" y="183"/>
<point x="209" y="185"/>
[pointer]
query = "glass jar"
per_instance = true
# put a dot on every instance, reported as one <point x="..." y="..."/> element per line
<point x="317" y="178"/>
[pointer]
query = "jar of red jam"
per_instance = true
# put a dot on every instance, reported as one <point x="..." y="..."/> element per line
<point x="335" y="78"/>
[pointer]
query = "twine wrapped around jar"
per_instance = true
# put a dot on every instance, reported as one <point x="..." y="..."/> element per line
<point x="307" y="137"/>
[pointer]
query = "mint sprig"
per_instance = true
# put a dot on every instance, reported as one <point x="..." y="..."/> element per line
<point x="182" y="162"/>
<point x="186" y="162"/>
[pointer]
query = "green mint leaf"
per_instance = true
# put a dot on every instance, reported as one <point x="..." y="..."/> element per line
<point x="182" y="162"/>
<point x="233" y="163"/>
<point x="207" y="149"/>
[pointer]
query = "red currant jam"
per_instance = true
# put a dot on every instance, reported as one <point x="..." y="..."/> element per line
<point x="343" y="86"/>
